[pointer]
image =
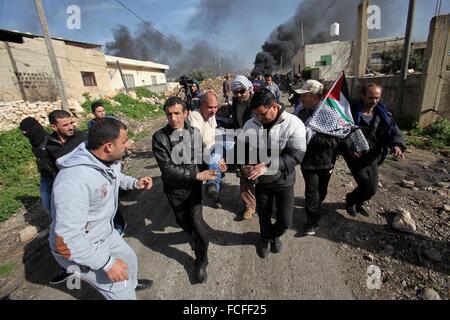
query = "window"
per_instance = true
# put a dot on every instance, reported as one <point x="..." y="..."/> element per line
<point x="129" y="80"/>
<point x="88" y="79"/>
<point x="154" y="81"/>
<point x="324" y="61"/>
<point x="375" y="58"/>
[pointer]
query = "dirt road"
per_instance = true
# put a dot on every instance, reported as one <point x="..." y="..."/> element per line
<point x="331" y="265"/>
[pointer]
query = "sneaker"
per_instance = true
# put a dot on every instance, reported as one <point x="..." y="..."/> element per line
<point x="363" y="210"/>
<point x="263" y="249"/>
<point x="144" y="284"/>
<point x="248" y="214"/>
<point x="276" y="246"/>
<point x="350" y="207"/>
<point x="60" y="277"/>
<point x="211" y="191"/>
<point x="311" y="229"/>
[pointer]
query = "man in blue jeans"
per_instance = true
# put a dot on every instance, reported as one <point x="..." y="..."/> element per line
<point x="204" y="120"/>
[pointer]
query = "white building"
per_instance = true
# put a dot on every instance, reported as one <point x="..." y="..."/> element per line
<point x="137" y="73"/>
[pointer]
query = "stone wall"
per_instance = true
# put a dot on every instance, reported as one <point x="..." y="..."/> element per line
<point x="12" y="113"/>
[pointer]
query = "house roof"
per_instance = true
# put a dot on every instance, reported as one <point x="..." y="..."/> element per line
<point x="17" y="37"/>
<point x="111" y="60"/>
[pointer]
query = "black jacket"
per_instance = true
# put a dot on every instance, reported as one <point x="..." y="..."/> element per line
<point x="321" y="151"/>
<point x="382" y="134"/>
<point x="246" y="116"/>
<point x="176" y="176"/>
<point x="44" y="162"/>
<point x="56" y="149"/>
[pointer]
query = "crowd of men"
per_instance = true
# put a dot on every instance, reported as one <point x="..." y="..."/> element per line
<point x="81" y="172"/>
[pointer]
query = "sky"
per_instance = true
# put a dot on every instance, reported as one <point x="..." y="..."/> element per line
<point x="235" y="28"/>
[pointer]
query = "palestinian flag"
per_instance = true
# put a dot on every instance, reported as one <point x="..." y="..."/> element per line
<point x="334" y="117"/>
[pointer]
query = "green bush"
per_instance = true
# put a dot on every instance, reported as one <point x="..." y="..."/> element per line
<point x="436" y="135"/>
<point x="127" y="106"/>
<point x="19" y="178"/>
<point x="143" y="92"/>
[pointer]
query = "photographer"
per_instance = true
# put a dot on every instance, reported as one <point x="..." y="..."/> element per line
<point x="191" y="89"/>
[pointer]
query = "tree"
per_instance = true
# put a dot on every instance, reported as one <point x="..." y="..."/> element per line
<point x="392" y="61"/>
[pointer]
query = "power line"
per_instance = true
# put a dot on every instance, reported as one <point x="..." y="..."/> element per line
<point x="168" y="38"/>
<point x="329" y="6"/>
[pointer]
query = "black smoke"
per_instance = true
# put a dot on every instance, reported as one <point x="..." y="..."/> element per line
<point x="148" y="44"/>
<point x="317" y="16"/>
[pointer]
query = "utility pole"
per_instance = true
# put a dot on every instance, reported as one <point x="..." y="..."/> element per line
<point x="122" y="76"/>
<point x="51" y="55"/>
<point x="303" y="39"/>
<point x="406" y="53"/>
<point x="281" y="62"/>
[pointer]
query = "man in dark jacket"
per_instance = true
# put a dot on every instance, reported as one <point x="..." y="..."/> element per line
<point x="64" y="138"/>
<point x="182" y="179"/>
<point x="320" y="158"/>
<point x="38" y="137"/>
<point x="383" y="135"/>
<point x="281" y="136"/>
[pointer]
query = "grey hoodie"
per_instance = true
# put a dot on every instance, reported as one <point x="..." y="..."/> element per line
<point x="84" y="202"/>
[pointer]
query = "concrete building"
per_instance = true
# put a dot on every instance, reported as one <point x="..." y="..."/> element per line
<point x="26" y="73"/>
<point x="329" y="59"/>
<point x="136" y="73"/>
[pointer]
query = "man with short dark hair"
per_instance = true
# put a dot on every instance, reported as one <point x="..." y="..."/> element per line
<point x="272" y="86"/>
<point x="65" y="137"/>
<point x="82" y="233"/>
<point x="182" y="179"/>
<point x="281" y="136"/>
<point x="98" y="110"/>
<point x="383" y="135"/>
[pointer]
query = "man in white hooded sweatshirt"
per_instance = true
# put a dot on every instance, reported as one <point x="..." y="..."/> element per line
<point x="84" y="202"/>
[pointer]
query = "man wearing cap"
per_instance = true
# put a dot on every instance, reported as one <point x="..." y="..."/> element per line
<point x="241" y="112"/>
<point x="321" y="153"/>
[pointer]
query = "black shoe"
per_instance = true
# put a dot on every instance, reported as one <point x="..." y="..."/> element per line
<point x="143" y="284"/>
<point x="202" y="277"/>
<point x="350" y="207"/>
<point x="211" y="191"/>
<point x="263" y="249"/>
<point x="217" y="204"/>
<point x="60" y="277"/>
<point x="361" y="209"/>
<point x="311" y="229"/>
<point x="276" y="246"/>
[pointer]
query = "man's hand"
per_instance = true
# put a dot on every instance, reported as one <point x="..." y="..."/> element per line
<point x="118" y="271"/>
<point x="257" y="171"/>
<point x="222" y="165"/>
<point x="206" y="175"/>
<point x="145" y="183"/>
<point x="397" y="152"/>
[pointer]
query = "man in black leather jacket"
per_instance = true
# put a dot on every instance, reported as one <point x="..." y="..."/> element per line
<point x="182" y="179"/>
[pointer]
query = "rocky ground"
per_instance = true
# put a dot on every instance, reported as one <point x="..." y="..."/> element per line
<point x="349" y="258"/>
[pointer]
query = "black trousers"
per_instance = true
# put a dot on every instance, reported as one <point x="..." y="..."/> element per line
<point x="366" y="176"/>
<point x="316" y="189"/>
<point x="284" y="203"/>
<point x="187" y="207"/>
